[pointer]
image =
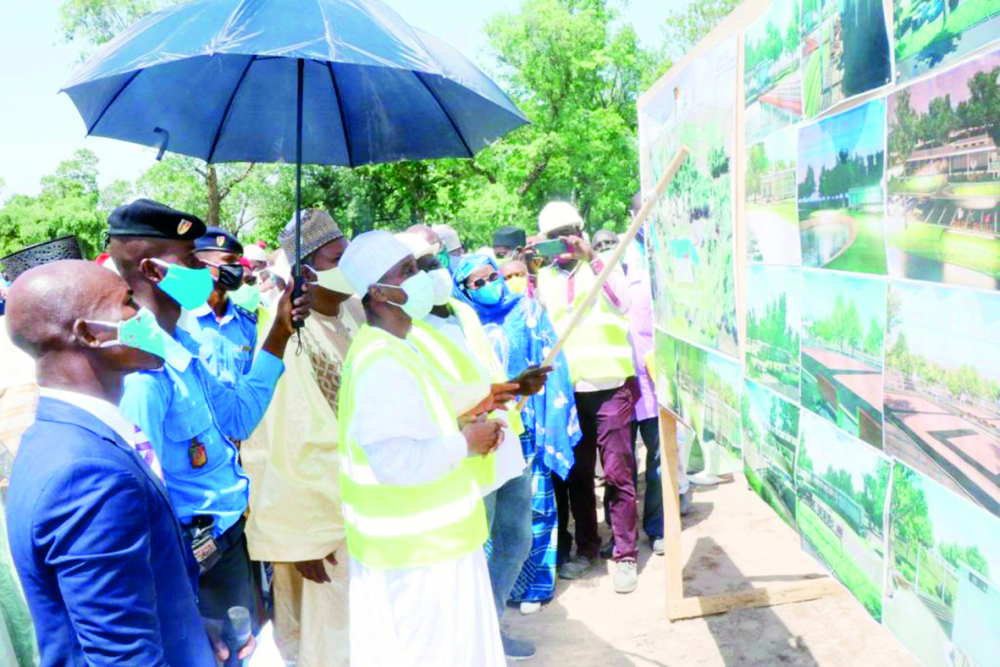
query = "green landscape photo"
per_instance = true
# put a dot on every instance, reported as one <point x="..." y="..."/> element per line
<point x="943" y="222"/>
<point x="774" y="318"/>
<point x="771" y="73"/>
<point x="943" y="592"/>
<point x="841" y="204"/>
<point x="942" y="386"/>
<point x="692" y="233"/>
<point x="932" y="33"/>
<point x="843" y="336"/>
<point x="845" y="51"/>
<point x="770" y="440"/>
<point x="842" y="486"/>
<point x="722" y="434"/>
<point x="771" y="212"/>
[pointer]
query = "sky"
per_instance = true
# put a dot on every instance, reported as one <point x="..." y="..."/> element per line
<point x="769" y="283"/>
<point x="39" y="128"/>
<point x="860" y="130"/>
<point x="821" y="287"/>
<point x="954" y="82"/>
<point x="956" y="520"/>
<point x="782" y="147"/>
<point x="826" y="446"/>
<point x="953" y="327"/>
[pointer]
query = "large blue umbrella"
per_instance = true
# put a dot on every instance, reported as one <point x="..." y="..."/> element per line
<point x="340" y="82"/>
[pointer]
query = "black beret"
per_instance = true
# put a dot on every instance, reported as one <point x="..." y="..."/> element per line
<point x="145" y="217"/>
<point x="509" y="237"/>
<point x="217" y="238"/>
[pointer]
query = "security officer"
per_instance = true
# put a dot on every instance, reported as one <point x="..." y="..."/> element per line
<point x="227" y="332"/>
<point x="184" y="411"/>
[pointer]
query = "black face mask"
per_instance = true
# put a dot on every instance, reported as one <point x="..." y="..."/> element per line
<point x="230" y="276"/>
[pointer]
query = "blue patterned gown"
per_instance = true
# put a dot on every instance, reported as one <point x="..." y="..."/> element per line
<point x="522" y="336"/>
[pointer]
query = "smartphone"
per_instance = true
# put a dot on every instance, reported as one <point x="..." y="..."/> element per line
<point x="551" y="248"/>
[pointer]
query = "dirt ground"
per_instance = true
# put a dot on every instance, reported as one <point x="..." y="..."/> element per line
<point x="731" y="540"/>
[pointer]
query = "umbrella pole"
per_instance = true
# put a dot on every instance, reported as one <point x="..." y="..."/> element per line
<point x="298" y="195"/>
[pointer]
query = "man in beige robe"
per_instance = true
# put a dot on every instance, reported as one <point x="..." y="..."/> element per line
<point x="295" y="517"/>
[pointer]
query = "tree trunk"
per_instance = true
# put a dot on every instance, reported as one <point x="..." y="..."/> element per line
<point x="214" y="198"/>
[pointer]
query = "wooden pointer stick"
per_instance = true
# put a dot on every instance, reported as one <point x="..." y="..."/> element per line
<point x="612" y="262"/>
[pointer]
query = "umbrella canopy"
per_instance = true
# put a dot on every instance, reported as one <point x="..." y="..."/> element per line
<point x="220" y="80"/>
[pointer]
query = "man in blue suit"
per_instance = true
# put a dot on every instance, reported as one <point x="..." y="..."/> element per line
<point x="108" y="574"/>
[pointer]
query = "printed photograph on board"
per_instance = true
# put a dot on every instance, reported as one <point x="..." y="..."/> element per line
<point x="771" y="211"/>
<point x="942" y="386"/>
<point x="842" y="487"/>
<point x="942" y="598"/>
<point x="843" y="332"/>
<point x="774" y="318"/>
<point x="845" y="51"/>
<point x="692" y="229"/>
<point x="943" y="222"/>
<point x="771" y="74"/>
<point x="770" y="439"/>
<point x="680" y="381"/>
<point x="930" y="33"/>
<point x="722" y="434"/>
<point x="841" y="205"/>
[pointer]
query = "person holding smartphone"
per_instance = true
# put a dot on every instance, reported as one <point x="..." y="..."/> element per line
<point x="604" y="377"/>
<point x="522" y="334"/>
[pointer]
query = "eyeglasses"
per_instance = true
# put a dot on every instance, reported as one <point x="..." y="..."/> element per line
<point x="483" y="282"/>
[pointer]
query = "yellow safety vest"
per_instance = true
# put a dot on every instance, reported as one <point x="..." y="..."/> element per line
<point x="598" y="349"/>
<point x="391" y="526"/>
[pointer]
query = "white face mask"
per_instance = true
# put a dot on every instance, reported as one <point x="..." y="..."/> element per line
<point x="333" y="280"/>
<point x="443" y="286"/>
<point x="419" y="290"/>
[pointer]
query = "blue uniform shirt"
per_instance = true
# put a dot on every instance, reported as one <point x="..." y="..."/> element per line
<point x="227" y="345"/>
<point x="186" y="413"/>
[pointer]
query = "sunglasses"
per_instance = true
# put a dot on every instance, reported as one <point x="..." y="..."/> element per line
<point x="483" y="282"/>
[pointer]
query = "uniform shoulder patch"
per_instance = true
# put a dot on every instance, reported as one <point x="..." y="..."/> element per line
<point x="249" y="314"/>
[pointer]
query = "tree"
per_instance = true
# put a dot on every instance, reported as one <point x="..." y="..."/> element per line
<point x="904" y="129"/>
<point x="982" y="109"/>
<point x="971" y="556"/>
<point x="808" y="185"/>
<point x="939" y="122"/>
<point x="911" y="523"/>
<point x="67" y="204"/>
<point x="683" y="29"/>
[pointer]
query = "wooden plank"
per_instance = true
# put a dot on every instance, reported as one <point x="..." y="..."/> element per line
<point x="671" y="507"/>
<point x="767" y="596"/>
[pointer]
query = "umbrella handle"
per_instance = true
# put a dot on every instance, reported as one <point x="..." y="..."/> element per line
<point x="298" y="291"/>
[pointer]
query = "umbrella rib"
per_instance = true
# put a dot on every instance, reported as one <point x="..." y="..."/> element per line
<point x="451" y="120"/>
<point x="112" y="101"/>
<point x="229" y="105"/>
<point x="343" y="119"/>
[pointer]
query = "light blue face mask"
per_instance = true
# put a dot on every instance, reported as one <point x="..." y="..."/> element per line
<point x="489" y="294"/>
<point x="143" y="332"/>
<point x="190" y="288"/>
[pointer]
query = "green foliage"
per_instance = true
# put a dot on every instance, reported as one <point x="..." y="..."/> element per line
<point x="971" y="556"/>
<point x="95" y="22"/>
<point x="903" y="129"/>
<point x="683" y="29"/>
<point x="67" y="204"/>
<point x="842" y="328"/>
<point x="911" y="521"/>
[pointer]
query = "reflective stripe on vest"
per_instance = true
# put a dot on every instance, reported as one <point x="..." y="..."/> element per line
<point x="598" y="348"/>
<point x="390" y="526"/>
<point x="442" y="353"/>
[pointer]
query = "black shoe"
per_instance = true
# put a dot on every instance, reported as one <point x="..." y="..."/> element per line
<point x="517" y="649"/>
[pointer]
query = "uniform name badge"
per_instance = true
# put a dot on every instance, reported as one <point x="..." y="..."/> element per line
<point x="196" y="454"/>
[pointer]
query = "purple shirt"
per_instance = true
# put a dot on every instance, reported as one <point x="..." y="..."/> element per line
<point x="641" y="335"/>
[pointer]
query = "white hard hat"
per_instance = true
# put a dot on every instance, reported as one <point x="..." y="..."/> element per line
<point x="556" y="215"/>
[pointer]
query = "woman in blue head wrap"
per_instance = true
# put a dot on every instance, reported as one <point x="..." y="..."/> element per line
<point x="522" y="335"/>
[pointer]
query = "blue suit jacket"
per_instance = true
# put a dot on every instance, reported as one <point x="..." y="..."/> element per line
<point x="106" y="570"/>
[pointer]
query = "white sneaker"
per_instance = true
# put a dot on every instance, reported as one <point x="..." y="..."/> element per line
<point x="530" y="607"/>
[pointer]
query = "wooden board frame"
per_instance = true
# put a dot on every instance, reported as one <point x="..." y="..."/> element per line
<point x="680" y="607"/>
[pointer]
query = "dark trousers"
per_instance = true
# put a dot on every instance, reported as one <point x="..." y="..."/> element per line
<point x="230" y="581"/>
<point x="606" y="422"/>
<point x="652" y="506"/>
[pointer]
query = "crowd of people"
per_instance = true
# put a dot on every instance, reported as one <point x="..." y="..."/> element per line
<point x="375" y="453"/>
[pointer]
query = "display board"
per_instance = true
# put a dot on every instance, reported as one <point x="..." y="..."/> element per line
<point x="826" y="274"/>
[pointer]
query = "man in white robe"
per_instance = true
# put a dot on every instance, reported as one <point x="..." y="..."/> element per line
<point x="441" y="611"/>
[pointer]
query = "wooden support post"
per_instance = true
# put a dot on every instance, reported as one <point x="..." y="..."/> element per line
<point x="680" y="607"/>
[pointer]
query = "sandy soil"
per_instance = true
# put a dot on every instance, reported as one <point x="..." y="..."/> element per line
<point x="732" y="540"/>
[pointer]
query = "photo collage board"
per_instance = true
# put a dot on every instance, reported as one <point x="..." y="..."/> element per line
<point x="826" y="282"/>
